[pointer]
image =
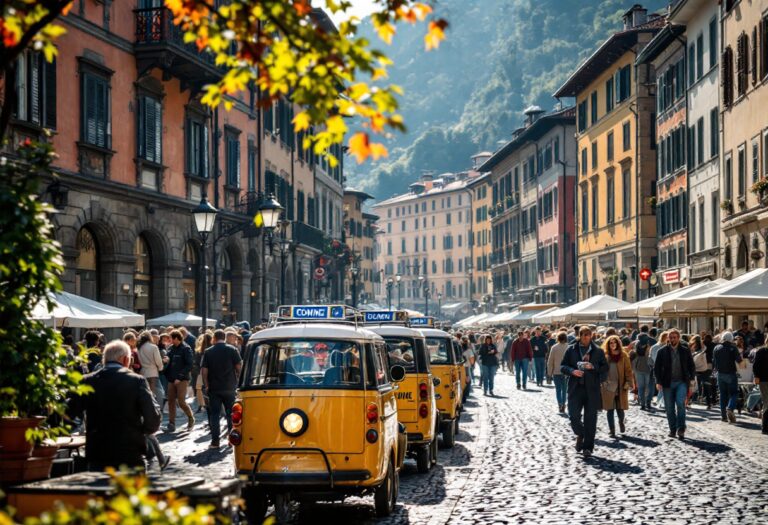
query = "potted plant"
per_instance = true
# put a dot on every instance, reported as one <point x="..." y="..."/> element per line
<point x="727" y="206"/>
<point x="760" y="188"/>
<point x="37" y="373"/>
<point x="651" y="202"/>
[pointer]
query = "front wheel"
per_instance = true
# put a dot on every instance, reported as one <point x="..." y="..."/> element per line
<point x="423" y="461"/>
<point x="385" y="496"/>
<point x="285" y="508"/>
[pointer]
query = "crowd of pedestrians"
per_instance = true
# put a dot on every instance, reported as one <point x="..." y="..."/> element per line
<point x="144" y="374"/>
<point x="601" y="368"/>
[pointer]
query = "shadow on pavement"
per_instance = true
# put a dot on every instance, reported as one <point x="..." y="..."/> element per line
<point x="640" y="441"/>
<point x="610" y="465"/>
<point x="458" y="456"/>
<point x="613" y="443"/>
<point x="434" y="479"/>
<point x="708" y="446"/>
<point x="208" y="456"/>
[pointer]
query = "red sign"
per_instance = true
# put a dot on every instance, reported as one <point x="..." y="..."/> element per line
<point x="319" y="273"/>
<point x="671" y="276"/>
<point x="645" y="274"/>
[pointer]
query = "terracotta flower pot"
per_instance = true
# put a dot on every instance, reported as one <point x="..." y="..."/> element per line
<point x="13" y="441"/>
<point x="24" y="469"/>
<point x="44" y="451"/>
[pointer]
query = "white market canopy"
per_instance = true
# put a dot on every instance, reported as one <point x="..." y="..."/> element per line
<point x="526" y="316"/>
<point x="649" y="308"/>
<point x="594" y="309"/>
<point x="78" y="312"/>
<point x="180" y="319"/>
<point x="473" y="320"/>
<point x="745" y="294"/>
<point x="500" y="318"/>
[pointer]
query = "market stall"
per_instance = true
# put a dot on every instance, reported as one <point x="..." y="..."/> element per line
<point x="73" y="311"/>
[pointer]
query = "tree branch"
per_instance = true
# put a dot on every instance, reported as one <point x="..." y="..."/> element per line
<point x="54" y="11"/>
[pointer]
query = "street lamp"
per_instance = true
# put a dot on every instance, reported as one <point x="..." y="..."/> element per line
<point x="285" y="248"/>
<point x="399" y="278"/>
<point x="267" y="217"/>
<point x="390" y="283"/>
<point x="354" y="271"/>
<point x="470" y="272"/>
<point x="439" y="300"/>
<point x="205" y="218"/>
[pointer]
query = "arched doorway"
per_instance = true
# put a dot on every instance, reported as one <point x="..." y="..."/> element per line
<point x="87" y="265"/>
<point x="227" y="315"/>
<point x="142" y="277"/>
<point x="189" y="277"/>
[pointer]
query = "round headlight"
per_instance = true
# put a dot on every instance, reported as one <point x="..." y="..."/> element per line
<point x="294" y="422"/>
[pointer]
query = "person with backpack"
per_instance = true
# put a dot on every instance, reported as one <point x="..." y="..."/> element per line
<point x="725" y="360"/>
<point x="642" y="367"/>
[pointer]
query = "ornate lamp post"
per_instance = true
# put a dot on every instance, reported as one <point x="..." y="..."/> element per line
<point x="354" y="271"/>
<point x="399" y="279"/>
<point x="205" y="218"/>
<point x="390" y="283"/>
<point x="439" y="301"/>
<point x="267" y="217"/>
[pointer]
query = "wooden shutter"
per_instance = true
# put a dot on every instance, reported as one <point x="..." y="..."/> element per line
<point x="741" y="64"/>
<point x="268" y="118"/>
<point x="754" y="55"/>
<point x="764" y="46"/>
<point x="726" y="76"/>
<point x="49" y="94"/>
<point x="34" y="93"/>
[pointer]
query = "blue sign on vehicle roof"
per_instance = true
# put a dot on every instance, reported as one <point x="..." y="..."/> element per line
<point x="379" y="316"/>
<point x="422" y="321"/>
<point x="310" y="312"/>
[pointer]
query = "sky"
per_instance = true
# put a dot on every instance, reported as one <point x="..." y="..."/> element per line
<point x="360" y="9"/>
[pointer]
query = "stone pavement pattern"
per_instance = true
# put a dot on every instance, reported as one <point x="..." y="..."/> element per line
<point x="514" y="462"/>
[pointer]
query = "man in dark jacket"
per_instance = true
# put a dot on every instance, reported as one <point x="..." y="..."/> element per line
<point x="521" y="354"/>
<point x="760" y="370"/>
<point x="180" y="361"/>
<point x="675" y="372"/>
<point x="587" y="367"/>
<point x="642" y="367"/>
<point x="119" y="412"/>
<point x="725" y="360"/>
<point x="540" y="349"/>
<point x="220" y="370"/>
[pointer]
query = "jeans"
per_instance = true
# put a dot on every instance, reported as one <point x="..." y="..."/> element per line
<point x="644" y="388"/>
<point x="580" y="400"/>
<point x="706" y="394"/>
<point x="216" y="400"/>
<point x="764" y="395"/>
<point x="728" y="385"/>
<point x="177" y="393"/>
<point x="521" y="369"/>
<point x="674" y="404"/>
<point x="611" y="423"/>
<point x="561" y="386"/>
<point x="488" y="372"/>
<point x="539" y="365"/>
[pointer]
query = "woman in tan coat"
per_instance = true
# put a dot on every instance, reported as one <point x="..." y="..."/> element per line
<point x="615" y="390"/>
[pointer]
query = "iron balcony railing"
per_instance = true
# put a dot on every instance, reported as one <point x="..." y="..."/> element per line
<point x="154" y="25"/>
<point x="308" y="236"/>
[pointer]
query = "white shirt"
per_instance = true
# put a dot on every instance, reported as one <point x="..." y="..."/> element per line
<point x="151" y="360"/>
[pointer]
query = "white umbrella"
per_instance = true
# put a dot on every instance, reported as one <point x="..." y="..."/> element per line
<point x="180" y="319"/>
<point x="529" y="316"/>
<point x="648" y="308"/>
<point x="78" y="312"/>
<point x="745" y="294"/>
<point x="594" y="308"/>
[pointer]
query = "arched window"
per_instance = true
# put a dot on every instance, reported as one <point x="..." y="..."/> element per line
<point x="189" y="277"/>
<point x="727" y="259"/>
<point x="742" y="255"/>
<point x="87" y="265"/>
<point x="142" y="276"/>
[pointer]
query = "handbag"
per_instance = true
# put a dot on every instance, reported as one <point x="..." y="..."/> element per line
<point x="700" y="361"/>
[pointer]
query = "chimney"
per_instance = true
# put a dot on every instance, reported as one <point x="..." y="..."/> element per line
<point x="532" y="114"/>
<point x="478" y="159"/>
<point x="636" y="16"/>
<point x="427" y="176"/>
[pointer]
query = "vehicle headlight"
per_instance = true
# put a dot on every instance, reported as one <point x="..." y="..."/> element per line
<point x="294" y="422"/>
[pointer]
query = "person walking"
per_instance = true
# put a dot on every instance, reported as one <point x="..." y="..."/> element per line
<point x="179" y="367"/>
<point x="725" y="360"/>
<point x="556" y="354"/>
<point x="585" y="365"/>
<point x="663" y="339"/>
<point x="119" y="413"/>
<point x="469" y="361"/>
<point x="151" y="365"/>
<point x="220" y="370"/>
<point x="489" y="363"/>
<point x="620" y="381"/>
<point x="675" y="372"/>
<point x="760" y="371"/>
<point x="203" y="342"/>
<point x="539" y="348"/>
<point x="642" y="368"/>
<point x="522" y="354"/>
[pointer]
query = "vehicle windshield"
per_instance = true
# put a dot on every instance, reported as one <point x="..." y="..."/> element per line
<point x="304" y="362"/>
<point x="439" y="348"/>
<point x="401" y="352"/>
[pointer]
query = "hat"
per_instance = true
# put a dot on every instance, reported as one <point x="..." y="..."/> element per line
<point x="244" y="324"/>
<point x="726" y="337"/>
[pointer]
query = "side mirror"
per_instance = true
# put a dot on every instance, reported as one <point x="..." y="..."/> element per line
<point x="397" y="373"/>
<point x="436" y="381"/>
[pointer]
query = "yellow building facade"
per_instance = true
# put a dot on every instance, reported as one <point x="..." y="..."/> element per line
<point x="481" y="246"/>
<point x="615" y="135"/>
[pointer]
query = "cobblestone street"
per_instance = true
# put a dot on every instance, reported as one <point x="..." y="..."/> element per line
<point x="514" y="462"/>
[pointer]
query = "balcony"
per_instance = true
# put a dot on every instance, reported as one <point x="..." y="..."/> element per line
<point x="308" y="236"/>
<point x="160" y="43"/>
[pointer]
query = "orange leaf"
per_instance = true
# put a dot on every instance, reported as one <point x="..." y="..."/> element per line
<point x="435" y="34"/>
<point x="378" y="150"/>
<point x="359" y="146"/>
<point x="66" y="9"/>
<point x="302" y="7"/>
<point x="385" y="31"/>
